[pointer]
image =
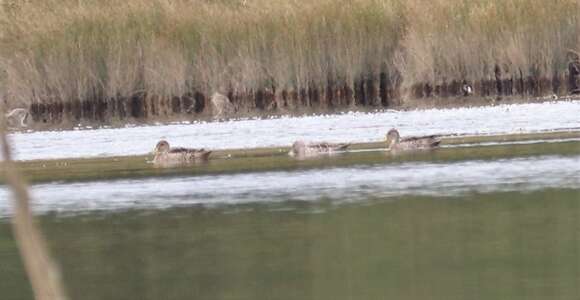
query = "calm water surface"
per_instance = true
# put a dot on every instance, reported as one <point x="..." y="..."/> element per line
<point x="495" y="228"/>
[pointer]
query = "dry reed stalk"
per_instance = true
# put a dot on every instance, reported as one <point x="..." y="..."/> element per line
<point x="62" y="51"/>
<point x="42" y="272"/>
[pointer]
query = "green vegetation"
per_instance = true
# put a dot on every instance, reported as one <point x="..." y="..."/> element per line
<point x="94" y="50"/>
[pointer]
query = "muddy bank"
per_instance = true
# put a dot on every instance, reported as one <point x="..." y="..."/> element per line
<point x="371" y="92"/>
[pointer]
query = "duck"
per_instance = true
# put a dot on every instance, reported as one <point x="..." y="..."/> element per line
<point x="466" y="89"/>
<point x="301" y="149"/>
<point x="165" y="155"/>
<point x="395" y="143"/>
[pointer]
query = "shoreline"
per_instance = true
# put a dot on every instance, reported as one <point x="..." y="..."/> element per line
<point x="84" y="62"/>
<point x="423" y="104"/>
<point x="276" y="159"/>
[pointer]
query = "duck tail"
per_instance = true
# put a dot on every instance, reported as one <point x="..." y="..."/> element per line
<point x="435" y="143"/>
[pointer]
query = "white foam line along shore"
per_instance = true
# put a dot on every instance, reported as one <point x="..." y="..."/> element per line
<point x="352" y="184"/>
<point x="347" y="127"/>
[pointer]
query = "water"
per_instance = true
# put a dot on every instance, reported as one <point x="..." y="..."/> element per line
<point x="487" y="221"/>
<point x="499" y="227"/>
<point x="504" y="245"/>
<point x="338" y="185"/>
<point x="351" y="127"/>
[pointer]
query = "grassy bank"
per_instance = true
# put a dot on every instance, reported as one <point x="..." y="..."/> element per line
<point x="101" y="59"/>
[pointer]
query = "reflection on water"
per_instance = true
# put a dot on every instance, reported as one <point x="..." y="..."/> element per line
<point x="494" y="228"/>
<point x="501" y="245"/>
<point x="345" y="184"/>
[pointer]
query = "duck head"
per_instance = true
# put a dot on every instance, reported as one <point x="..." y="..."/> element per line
<point x="298" y="149"/>
<point x="392" y="137"/>
<point x="162" y="147"/>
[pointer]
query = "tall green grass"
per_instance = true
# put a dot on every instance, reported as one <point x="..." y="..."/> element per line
<point x="65" y="50"/>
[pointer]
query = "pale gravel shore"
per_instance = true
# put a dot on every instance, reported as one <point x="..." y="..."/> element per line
<point x="250" y="133"/>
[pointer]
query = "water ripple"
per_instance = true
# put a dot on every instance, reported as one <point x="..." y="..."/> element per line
<point x="353" y="184"/>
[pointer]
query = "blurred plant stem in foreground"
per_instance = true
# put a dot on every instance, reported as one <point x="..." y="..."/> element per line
<point x="43" y="273"/>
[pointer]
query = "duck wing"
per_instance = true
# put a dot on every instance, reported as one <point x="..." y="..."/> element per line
<point x="180" y="150"/>
<point x="191" y="152"/>
<point x="416" y="138"/>
<point x="327" y="147"/>
<point x="340" y="147"/>
<point x="201" y="154"/>
<point x="429" y="141"/>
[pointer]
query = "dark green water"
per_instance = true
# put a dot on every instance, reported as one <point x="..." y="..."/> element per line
<point x="508" y="245"/>
<point x="489" y="222"/>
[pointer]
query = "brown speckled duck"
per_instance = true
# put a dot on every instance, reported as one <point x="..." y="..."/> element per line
<point x="300" y="149"/>
<point x="165" y="155"/>
<point x="395" y="143"/>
